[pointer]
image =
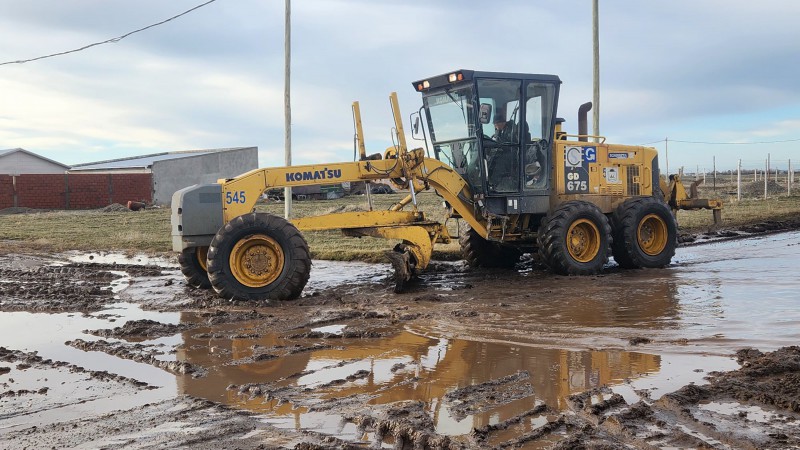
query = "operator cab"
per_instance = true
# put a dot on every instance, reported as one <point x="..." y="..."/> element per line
<point x="496" y="130"/>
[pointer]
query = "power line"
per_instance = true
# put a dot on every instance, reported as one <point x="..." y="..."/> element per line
<point x="108" y="41"/>
<point x="735" y="143"/>
<point x="723" y="143"/>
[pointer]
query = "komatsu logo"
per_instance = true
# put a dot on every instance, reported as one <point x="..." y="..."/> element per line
<point x="311" y="175"/>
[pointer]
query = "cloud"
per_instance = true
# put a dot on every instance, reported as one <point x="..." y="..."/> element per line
<point x="214" y="78"/>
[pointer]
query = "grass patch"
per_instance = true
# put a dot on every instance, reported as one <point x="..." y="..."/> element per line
<point x="737" y="213"/>
<point x="149" y="231"/>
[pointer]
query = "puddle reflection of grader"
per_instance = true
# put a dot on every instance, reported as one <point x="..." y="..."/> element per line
<point x="502" y="164"/>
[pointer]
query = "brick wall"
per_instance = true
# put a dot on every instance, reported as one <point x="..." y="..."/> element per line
<point x="44" y="191"/>
<point x="88" y="191"/>
<point x="74" y="191"/>
<point x="132" y="186"/>
<point x="6" y="191"/>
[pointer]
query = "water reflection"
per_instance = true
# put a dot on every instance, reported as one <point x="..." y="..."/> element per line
<point x="405" y="366"/>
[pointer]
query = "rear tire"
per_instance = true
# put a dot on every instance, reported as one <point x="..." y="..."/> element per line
<point x="259" y="256"/>
<point x="193" y="266"/>
<point x="645" y="233"/>
<point x="478" y="252"/>
<point x="575" y="239"/>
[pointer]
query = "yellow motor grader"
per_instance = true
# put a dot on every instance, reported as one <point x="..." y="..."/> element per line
<point x="502" y="164"/>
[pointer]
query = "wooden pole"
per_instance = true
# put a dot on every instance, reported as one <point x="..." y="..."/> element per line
<point x="789" y="179"/>
<point x="766" y="176"/>
<point x="739" y="181"/>
<point x="714" y="167"/>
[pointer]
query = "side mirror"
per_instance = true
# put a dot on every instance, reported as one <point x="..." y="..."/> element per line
<point x="485" y="113"/>
<point x="415" y="127"/>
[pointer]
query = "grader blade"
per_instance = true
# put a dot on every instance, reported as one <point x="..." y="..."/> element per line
<point x="403" y="270"/>
<point x="414" y="252"/>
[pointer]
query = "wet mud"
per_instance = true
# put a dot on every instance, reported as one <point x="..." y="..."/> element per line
<point x="698" y="355"/>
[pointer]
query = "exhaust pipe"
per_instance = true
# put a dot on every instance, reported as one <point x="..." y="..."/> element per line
<point x="583" y="111"/>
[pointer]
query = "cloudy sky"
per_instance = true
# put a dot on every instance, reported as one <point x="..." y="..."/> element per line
<point x="719" y="71"/>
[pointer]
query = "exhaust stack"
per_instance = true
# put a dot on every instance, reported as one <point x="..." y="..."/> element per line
<point x="583" y="111"/>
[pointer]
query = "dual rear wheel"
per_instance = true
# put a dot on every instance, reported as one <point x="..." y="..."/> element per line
<point x="577" y="238"/>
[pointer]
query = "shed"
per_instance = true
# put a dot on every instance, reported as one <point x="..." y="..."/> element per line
<point x="172" y="171"/>
<point x="18" y="161"/>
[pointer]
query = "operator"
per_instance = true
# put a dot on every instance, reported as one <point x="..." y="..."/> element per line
<point x="504" y="131"/>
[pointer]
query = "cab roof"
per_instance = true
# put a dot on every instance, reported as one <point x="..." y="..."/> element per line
<point x="469" y="75"/>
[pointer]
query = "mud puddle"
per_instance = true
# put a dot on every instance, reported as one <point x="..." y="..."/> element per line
<point x="467" y="359"/>
<point x="44" y="381"/>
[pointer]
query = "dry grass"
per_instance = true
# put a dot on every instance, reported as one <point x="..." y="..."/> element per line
<point x="145" y="231"/>
<point x="149" y="231"/>
<point x="737" y="213"/>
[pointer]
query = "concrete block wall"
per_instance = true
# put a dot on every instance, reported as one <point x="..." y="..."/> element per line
<point x="74" y="191"/>
<point x="170" y="175"/>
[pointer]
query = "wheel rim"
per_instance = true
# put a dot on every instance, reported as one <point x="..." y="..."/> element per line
<point x="583" y="240"/>
<point x="256" y="260"/>
<point x="652" y="234"/>
<point x="201" y="253"/>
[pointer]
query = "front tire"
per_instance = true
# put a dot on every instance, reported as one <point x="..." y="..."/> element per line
<point x="575" y="239"/>
<point x="478" y="252"/>
<point x="193" y="266"/>
<point x="259" y="256"/>
<point x="645" y="234"/>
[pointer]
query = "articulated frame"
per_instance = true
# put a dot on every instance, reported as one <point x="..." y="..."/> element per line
<point x="400" y="165"/>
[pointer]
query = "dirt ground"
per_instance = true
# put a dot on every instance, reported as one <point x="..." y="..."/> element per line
<point x="105" y="351"/>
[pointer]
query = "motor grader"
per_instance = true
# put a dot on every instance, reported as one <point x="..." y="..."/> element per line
<point x="501" y="163"/>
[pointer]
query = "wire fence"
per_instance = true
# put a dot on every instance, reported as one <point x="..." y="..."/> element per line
<point x="752" y="179"/>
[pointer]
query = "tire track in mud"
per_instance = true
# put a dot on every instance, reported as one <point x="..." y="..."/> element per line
<point x="139" y="353"/>
<point x="76" y="287"/>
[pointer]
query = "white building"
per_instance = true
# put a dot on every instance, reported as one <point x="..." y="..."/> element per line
<point x="17" y="161"/>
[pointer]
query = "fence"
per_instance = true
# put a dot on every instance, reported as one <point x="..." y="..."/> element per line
<point x="748" y="180"/>
<point x="74" y="191"/>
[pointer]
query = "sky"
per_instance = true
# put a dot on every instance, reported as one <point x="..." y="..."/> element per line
<point x="725" y="72"/>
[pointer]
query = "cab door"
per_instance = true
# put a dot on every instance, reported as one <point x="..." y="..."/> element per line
<point x="502" y="136"/>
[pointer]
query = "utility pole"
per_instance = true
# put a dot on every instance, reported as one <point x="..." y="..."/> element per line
<point x="666" y="154"/>
<point x="596" y="74"/>
<point x="287" y="120"/>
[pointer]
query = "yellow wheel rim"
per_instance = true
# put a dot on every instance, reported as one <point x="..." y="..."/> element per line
<point x="583" y="240"/>
<point x="652" y="234"/>
<point x="256" y="260"/>
<point x="202" y="256"/>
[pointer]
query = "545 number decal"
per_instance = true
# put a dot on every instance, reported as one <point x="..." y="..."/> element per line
<point x="235" y="197"/>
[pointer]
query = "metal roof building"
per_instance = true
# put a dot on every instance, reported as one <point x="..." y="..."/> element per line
<point x="175" y="170"/>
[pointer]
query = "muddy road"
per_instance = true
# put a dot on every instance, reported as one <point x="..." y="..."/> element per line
<point x="101" y="350"/>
